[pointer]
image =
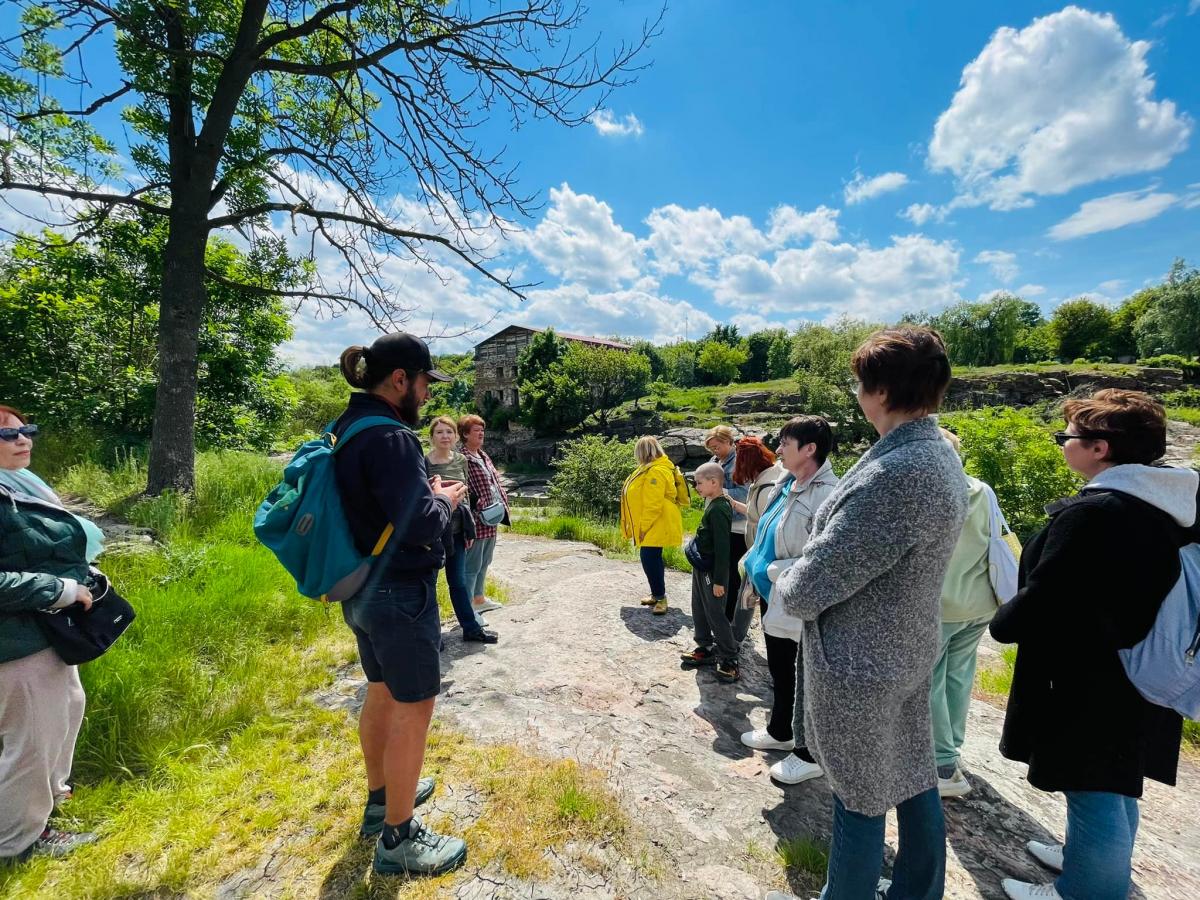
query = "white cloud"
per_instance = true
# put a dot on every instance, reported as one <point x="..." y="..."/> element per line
<point x="605" y="122"/>
<point x="685" y="239"/>
<point x="1030" y="290"/>
<point x="861" y="188"/>
<point x="628" y="312"/>
<point x="913" y="272"/>
<point x="1113" y="211"/>
<point x="1061" y="103"/>
<point x="1003" y="265"/>
<point x="1193" y="6"/>
<point x="787" y="224"/>
<point x="577" y="240"/>
<point x="920" y="213"/>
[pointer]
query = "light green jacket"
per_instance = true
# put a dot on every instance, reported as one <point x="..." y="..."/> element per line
<point x="967" y="589"/>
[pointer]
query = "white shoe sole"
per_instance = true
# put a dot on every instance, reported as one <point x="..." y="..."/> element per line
<point x="950" y="790"/>
<point x="769" y="744"/>
<point x="1050" y="859"/>
<point x="488" y="606"/>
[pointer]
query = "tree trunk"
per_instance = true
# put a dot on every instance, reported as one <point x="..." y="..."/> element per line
<point x="173" y="443"/>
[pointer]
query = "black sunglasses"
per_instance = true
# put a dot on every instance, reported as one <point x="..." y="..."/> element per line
<point x="11" y="434"/>
<point x="1061" y="437"/>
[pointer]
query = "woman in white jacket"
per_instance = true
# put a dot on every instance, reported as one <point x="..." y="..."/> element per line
<point x="780" y="536"/>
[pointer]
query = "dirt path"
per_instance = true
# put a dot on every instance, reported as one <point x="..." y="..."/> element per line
<point x="583" y="671"/>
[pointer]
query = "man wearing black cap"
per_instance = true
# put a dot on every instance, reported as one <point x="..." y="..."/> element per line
<point x="382" y="480"/>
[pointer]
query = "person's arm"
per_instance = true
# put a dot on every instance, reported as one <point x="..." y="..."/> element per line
<point x="396" y="469"/>
<point x="864" y="537"/>
<point x="736" y="492"/>
<point x="1080" y="542"/>
<point x="34" y="592"/>
<point x="721" y="520"/>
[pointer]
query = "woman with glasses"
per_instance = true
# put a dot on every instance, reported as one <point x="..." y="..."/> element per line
<point x="44" y="556"/>
<point x="1091" y="583"/>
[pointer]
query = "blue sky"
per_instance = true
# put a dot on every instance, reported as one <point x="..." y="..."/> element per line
<point x="819" y="159"/>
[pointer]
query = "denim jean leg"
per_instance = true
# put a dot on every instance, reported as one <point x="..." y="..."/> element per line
<point x="460" y="592"/>
<point x="855" y="855"/>
<point x="656" y="575"/>
<point x="1096" y="856"/>
<point x="920" y="869"/>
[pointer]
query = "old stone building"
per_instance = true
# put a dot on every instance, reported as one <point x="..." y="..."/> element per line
<point x="496" y="362"/>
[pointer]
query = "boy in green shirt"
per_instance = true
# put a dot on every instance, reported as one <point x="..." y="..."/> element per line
<point x="708" y="587"/>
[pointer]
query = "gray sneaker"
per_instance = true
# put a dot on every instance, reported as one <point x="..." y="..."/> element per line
<point x="421" y="853"/>
<point x="59" y="843"/>
<point x="373" y="815"/>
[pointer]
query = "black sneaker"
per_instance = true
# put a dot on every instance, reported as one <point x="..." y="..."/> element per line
<point x="727" y="670"/>
<point x="482" y="636"/>
<point x="701" y="656"/>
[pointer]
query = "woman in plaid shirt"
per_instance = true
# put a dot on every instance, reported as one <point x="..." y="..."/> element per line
<point x="484" y="483"/>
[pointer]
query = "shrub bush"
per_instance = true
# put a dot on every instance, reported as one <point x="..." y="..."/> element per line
<point x="1012" y="451"/>
<point x="589" y="473"/>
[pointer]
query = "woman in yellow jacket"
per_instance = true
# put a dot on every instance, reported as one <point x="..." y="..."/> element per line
<point x="650" y="517"/>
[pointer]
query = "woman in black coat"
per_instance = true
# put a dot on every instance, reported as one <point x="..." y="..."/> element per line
<point x="1092" y="582"/>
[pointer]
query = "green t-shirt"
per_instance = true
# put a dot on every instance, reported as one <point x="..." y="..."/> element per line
<point x="455" y="470"/>
<point x="967" y="588"/>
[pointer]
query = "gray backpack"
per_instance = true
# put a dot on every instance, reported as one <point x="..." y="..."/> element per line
<point x="1163" y="666"/>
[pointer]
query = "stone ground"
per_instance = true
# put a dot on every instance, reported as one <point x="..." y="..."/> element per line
<point x="583" y="671"/>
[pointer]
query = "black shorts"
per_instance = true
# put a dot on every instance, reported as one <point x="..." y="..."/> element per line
<point x="399" y="631"/>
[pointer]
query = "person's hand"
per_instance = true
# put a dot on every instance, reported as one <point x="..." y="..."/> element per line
<point x="467" y="545"/>
<point x="718" y="590"/>
<point x="455" y="492"/>
<point x="641" y="536"/>
<point x="83" y="597"/>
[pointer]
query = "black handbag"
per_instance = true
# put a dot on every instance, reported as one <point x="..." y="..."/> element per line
<point x="79" y="636"/>
<point x="699" y="561"/>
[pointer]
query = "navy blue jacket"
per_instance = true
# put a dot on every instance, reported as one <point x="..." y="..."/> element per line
<point x="381" y="478"/>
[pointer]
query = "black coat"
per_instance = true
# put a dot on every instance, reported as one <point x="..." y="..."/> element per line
<point x="1091" y="582"/>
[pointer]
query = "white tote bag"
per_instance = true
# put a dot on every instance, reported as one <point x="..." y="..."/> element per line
<point x="776" y="620"/>
<point x="1003" y="569"/>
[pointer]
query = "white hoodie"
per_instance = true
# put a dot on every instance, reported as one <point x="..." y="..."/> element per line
<point x="1167" y="488"/>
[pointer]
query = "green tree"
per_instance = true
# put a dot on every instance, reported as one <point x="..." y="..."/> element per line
<point x="658" y="365"/>
<point x="547" y="402"/>
<point x="606" y="377"/>
<point x="1171" y="322"/>
<point x="87" y="312"/>
<point x="1036" y="344"/>
<point x="721" y="362"/>
<point x="680" y="363"/>
<point x="779" y="357"/>
<point x="239" y="111"/>
<point x="981" y="334"/>
<point x="589" y="473"/>
<point x="723" y="334"/>
<point x="1083" y="329"/>
<point x="758" y="349"/>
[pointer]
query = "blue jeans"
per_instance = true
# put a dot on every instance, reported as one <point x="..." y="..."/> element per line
<point x="1101" y="828"/>
<point x="655" y="569"/>
<point x="460" y="591"/>
<point x="856" y="854"/>
<point x="478" y="558"/>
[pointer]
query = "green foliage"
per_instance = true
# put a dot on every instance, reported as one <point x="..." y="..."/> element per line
<point x="679" y="361"/>
<point x="779" y="356"/>
<point x="821" y="355"/>
<point x="1013" y="451"/>
<point x="589" y="473"/>
<point x="88" y="313"/>
<point x="658" y="364"/>
<point x="1036" y="344"/>
<point x="605" y="377"/>
<point x="758" y="349"/>
<point x="721" y="362"/>
<point x="549" y="400"/>
<point x="981" y="334"/>
<point x="454" y="398"/>
<point x="1171" y="323"/>
<point x="1083" y="329"/>
<point x="723" y="334"/>
<point x="321" y="396"/>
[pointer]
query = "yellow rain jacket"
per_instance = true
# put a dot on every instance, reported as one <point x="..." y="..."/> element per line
<point x="650" y="505"/>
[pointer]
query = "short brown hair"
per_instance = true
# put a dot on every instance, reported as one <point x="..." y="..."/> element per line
<point x="8" y="410"/>
<point x="467" y="422"/>
<point x="442" y="420"/>
<point x="809" y="430"/>
<point x="908" y="363"/>
<point x="1133" y="423"/>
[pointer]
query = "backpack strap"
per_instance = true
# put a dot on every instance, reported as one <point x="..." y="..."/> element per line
<point x="360" y="425"/>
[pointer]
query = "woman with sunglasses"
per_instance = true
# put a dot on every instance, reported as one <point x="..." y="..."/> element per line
<point x="44" y="556"/>
<point x="1091" y="583"/>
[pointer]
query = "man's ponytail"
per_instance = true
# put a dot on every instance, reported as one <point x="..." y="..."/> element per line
<point x="355" y="368"/>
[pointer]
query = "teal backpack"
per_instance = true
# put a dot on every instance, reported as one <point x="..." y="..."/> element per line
<point x="302" y="521"/>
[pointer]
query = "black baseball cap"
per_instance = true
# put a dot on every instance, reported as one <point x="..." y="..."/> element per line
<point x="401" y="350"/>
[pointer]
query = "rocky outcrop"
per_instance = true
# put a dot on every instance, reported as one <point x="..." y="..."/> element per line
<point x="1037" y="386"/>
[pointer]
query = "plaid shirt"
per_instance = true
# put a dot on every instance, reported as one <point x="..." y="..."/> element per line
<point x="481" y="475"/>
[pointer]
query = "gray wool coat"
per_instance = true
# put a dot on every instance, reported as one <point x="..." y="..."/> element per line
<point x="868" y="588"/>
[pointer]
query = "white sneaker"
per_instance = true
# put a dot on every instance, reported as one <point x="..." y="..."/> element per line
<point x="488" y="605"/>
<point x="760" y="739"/>
<point x="1023" y="890"/>
<point x="954" y="786"/>
<point x="480" y="620"/>
<point x="780" y="895"/>
<point x="793" y="770"/>
<point x="1049" y="855"/>
<point x="881" y="889"/>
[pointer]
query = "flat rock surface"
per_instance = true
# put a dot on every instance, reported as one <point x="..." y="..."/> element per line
<point x="583" y="671"/>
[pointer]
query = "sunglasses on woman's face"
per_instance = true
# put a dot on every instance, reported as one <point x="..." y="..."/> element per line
<point x="11" y="434"/>
<point x="1061" y="437"/>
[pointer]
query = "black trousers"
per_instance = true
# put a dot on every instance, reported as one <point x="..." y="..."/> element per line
<point x="737" y="549"/>
<point x="782" y="655"/>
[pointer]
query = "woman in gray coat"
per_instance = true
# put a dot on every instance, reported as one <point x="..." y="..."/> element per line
<point x="867" y="587"/>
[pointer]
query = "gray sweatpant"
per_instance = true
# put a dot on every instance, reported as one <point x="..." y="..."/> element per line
<point x="41" y="709"/>
<point x="708" y="618"/>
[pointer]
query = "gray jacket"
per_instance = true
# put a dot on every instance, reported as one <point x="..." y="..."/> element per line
<point x="867" y="587"/>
